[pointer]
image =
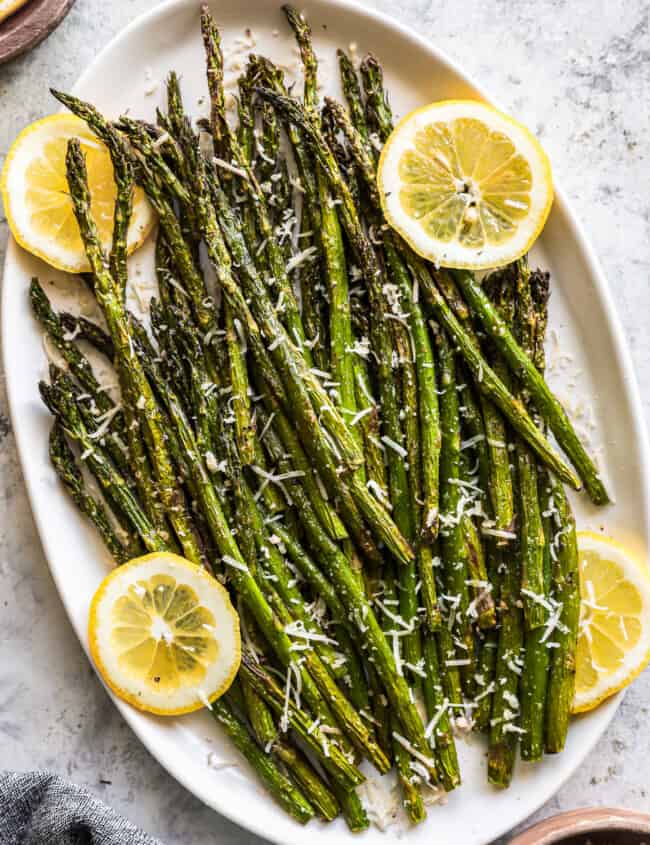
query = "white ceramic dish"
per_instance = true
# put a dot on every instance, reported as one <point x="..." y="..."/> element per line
<point x="598" y="375"/>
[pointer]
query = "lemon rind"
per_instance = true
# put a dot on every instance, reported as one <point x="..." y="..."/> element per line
<point x="10" y="9"/>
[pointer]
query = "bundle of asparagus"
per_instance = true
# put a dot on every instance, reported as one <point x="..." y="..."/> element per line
<point x="352" y="440"/>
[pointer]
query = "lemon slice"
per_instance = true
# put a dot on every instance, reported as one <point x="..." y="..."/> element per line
<point x="465" y="185"/>
<point x="164" y="635"/>
<point x="614" y="637"/>
<point x="8" y="7"/>
<point x="36" y="199"/>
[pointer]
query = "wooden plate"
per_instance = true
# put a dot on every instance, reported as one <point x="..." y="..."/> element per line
<point x="618" y="827"/>
<point x="29" y="25"/>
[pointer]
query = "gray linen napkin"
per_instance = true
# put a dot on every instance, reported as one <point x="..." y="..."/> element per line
<point x="39" y="808"/>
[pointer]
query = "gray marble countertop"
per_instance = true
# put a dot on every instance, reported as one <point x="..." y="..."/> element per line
<point x="578" y="73"/>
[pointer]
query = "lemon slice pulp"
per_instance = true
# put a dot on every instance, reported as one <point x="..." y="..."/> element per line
<point x="164" y="635"/>
<point x="37" y="202"/>
<point x="465" y="185"/>
<point x="614" y="635"/>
